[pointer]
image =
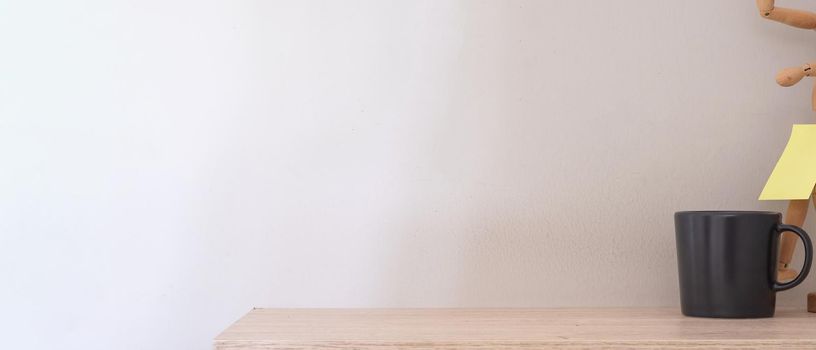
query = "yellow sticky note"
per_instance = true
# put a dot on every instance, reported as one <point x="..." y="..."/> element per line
<point x="795" y="172"/>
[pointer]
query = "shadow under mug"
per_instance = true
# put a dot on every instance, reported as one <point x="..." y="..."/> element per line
<point x="727" y="262"/>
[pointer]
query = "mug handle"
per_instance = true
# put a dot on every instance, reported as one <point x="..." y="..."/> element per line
<point x="778" y="287"/>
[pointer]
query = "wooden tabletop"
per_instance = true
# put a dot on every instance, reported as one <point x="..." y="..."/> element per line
<point x="527" y="329"/>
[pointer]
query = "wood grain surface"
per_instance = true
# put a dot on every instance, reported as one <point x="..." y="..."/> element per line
<point x="527" y="329"/>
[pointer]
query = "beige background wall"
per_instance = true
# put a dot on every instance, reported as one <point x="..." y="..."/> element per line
<point x="167" y="165"/>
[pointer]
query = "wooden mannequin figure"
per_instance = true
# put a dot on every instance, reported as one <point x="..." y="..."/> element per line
<point x="798" y="205"/>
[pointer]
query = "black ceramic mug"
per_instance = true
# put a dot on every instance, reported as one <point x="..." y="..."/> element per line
<point x="727" y="262"/>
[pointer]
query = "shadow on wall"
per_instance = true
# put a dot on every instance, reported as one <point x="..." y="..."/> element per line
<point x="470" y="227"/>
<point x="486" y="225"/>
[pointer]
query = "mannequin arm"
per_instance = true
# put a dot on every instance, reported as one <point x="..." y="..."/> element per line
<point x="791" y="17"/>
<point x="791" y="76"/>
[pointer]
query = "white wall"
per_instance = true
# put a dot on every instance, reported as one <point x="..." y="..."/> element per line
<point x="167" y="165"/>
